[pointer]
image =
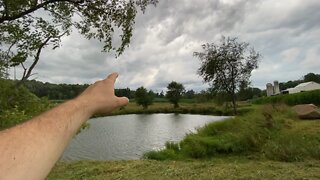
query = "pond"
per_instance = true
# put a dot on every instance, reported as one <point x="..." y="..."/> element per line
<point x="129" y="136"/>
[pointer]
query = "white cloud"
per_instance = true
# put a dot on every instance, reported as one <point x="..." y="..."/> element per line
<point x="286" y="33"/>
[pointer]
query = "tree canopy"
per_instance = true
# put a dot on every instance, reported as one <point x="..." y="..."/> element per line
<point x="174" y="93"/>
<point x="143" y="97"/>
<point x="227" y="64"/>
<point x="27" y="26"/>
<point x="312" y="77"/>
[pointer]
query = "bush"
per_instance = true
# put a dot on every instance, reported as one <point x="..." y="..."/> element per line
<point x="17" y="104"/>
<point x="161" y="155"/>
<point x="12" y="117"/>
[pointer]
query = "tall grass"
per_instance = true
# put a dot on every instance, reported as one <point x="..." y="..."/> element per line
<point x="265" y="132"/>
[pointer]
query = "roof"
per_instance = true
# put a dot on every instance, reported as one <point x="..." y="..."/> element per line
<point x="305" y="84"/>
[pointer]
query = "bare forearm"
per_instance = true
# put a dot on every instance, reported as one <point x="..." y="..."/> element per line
<point x="30" y="150"/>
<point x="42" y="139"/>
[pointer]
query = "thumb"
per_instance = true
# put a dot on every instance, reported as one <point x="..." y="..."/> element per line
<point x="122" y="101"/>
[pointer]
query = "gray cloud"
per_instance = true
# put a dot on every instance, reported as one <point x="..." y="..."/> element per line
<point x="285" y="32"/>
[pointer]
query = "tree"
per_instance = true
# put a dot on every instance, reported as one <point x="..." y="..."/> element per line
<point x="290" y="84"/>
<point x="143" y="98"/>
<point x="28" y="26"/>
<point x="189" y="94"/>
<point x="226" y="65"/>
<point x="174" y="93"/>
<point x="246" y="92"/>
<point x="161" y="95"/>
<point x="124" y="92"/>
<point x="312" y="77"/>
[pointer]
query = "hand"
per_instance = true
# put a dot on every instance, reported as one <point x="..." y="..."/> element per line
<point x="100" y="97"/>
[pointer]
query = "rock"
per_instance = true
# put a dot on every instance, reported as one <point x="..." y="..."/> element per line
<point x="307" y="111"/>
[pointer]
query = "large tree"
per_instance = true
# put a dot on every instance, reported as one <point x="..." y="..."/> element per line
<point x="227" y="64"/>
<point x="174" y="93"/>
<point x="28" y="26"/>
<point x="143" y="97"/>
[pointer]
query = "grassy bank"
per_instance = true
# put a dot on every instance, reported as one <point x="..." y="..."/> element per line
<point x="218" y="168"/>
<point x="271" y="132"/>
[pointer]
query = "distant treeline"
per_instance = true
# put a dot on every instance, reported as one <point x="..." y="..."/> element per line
<point x="69" y="91"/>
<point x="55" y="91"/>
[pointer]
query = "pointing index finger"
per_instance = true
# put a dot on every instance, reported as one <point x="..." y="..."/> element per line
<point x="113" y="77"/>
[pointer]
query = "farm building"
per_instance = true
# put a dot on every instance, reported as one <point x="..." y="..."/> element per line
<point x="273" y="89"/>
<point x="307" y="86"/>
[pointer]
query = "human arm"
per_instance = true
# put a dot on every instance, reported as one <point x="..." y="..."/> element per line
<point x="30" y="150"/>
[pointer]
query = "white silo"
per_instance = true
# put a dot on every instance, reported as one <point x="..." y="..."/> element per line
<point x="269" y="89"/>
<point x="276" y="88"/>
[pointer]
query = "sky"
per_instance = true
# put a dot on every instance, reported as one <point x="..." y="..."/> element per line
<point x="286" y="33"/>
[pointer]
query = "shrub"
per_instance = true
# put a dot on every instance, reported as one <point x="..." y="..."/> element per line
<point x="161" y="155"/>
<point x="17" y="104"/>
<point x="12" y="117"/>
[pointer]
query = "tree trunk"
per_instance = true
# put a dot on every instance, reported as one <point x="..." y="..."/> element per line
<point x="233" y="93"/>
<point x="176" y="105"/>
<point x="234" y="103"/>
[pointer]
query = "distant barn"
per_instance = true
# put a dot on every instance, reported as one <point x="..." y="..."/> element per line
<point x="307" y="86"/>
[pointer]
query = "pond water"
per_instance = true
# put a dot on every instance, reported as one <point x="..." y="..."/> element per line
<point x="129" y="136"/>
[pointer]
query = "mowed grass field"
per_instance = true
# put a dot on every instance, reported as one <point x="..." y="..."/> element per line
<point x="218" y="168"/>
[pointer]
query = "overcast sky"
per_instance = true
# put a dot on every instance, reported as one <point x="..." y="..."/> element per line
<point x="285" y="32"/>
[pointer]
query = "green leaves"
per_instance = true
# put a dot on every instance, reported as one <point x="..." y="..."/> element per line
<point x="25" y="25"/>
<point x="174" y="93"/>
<point x="226" y="65"/>
<point x="18" y="58"/>
<point x="143" y="97"/>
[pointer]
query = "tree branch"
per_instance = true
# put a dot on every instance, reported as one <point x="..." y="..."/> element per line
<point x="34" y="8"/>
<point x="28" y="71"/>
<point x="37" y="57"/>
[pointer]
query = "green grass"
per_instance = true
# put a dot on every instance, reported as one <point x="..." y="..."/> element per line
<point x="271" y="132"/>
<point x="219" y="168"/>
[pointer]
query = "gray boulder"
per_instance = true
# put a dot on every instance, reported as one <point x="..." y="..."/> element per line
<point x="307" y="111"/>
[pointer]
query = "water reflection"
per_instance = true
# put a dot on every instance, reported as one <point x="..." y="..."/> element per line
<point x="129" y="136"/>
